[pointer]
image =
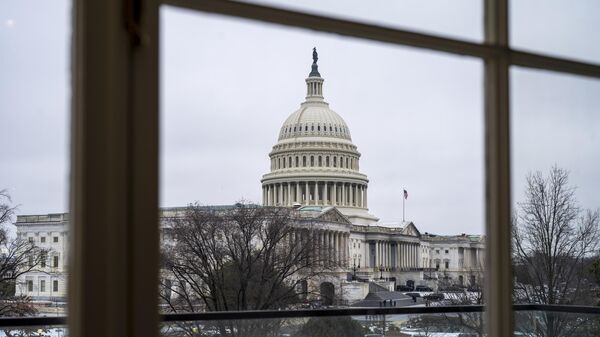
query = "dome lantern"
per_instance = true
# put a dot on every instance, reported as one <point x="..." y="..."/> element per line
<point x="314" y="82"/>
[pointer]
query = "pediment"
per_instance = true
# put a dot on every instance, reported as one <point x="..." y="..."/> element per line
<point x="332" y="214"/>
<point x="411" y="230"/>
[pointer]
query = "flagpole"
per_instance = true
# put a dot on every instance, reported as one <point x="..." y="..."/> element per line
<point x="403" y="199"/>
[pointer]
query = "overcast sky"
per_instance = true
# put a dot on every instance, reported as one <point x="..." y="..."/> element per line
<point x="227" y="85"/>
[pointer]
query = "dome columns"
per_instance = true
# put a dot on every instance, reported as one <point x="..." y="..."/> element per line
<point x="315" y="192"/>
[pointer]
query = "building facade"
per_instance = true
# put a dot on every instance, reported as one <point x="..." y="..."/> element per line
<point x="315" y="168"/>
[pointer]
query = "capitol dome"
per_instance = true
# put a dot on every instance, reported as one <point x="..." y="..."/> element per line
<point x="313" y="120"/>
<point x="314" y="162"/>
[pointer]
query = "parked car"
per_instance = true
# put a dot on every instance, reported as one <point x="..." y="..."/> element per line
<point x="404" y="288"/>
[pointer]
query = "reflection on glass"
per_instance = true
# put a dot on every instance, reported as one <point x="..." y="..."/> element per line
<point x="34" y="105"/>
<point x="311" y="171"/>
<point x="556" y="237"/>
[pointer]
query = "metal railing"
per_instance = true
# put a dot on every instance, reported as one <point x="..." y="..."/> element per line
<point x="271" y="314"/>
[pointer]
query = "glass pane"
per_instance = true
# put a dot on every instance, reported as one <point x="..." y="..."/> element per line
<point x="557" y="27"/>
<point x="461" y="19"/>
<point x="35" y="104"/>
<point x="555" y="180"/>
<point x="358" y="164"/>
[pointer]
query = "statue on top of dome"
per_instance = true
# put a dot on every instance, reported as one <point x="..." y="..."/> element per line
<point x="315" y="68"/>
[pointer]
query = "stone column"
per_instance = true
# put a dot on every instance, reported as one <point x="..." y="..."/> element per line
<point x="350" y="197"/>
<point x="325" y="195"/>
<point x="335" y="248"/>
<point x="330" y="247"/>
<point x="316" y="192"/>
<point x="297" y="190"/>
<point x="386" y="260"/>
<point x="334" y="194"/>
<point x="365" y="198"/>
<point x="346" y="248"/>
<point x="376" y="254"/>
<point x="403" y="255"/>
<point x="356" y="203"/>
<point x="268" y="195"/>
<point x="280" y="196"/>
<point x="389" y="250"/>
<point x="360" y="196"/>
<point x="305" y="193"/>
<point x="323" y="249"/>
<point x="289" y="194"/>
<point x="397" y="255"/>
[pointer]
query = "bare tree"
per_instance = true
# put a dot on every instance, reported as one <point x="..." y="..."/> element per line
<point x="242" y="258"/>
<point x="552" y="237"/>
<point x="17" y="257"/>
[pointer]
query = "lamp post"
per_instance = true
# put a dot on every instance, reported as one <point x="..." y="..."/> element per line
<point x="354" y="268"/>
<point x="381" y="271"/>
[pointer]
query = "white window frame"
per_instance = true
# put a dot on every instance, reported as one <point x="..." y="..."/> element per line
<point x="114" y="157"/>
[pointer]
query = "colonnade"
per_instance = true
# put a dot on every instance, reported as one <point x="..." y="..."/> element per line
<point x="396" y="255"/>
<point x="330" y="248"/>
<point x="327" y="193"/>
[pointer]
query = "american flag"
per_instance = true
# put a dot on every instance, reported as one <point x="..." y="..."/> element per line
<point x="405" y="194"/>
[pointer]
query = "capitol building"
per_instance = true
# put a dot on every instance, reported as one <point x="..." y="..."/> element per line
<point x="315" y="169"/>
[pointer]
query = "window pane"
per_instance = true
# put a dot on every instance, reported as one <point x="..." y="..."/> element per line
<point x="557" y="27"/>
<point x="461" y="19"/>
<point x="555" y="171"/>
<point x="366" y="158"/>
<point x="35" y="102"/>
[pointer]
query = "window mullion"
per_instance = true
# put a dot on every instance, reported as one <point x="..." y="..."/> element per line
<point x="498" y="278"/>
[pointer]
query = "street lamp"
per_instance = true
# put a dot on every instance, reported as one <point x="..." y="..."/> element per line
<point x="381" y="271"/>
<point x="354" y="268"/>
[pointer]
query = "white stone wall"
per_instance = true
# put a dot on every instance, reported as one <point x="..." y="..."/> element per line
<point x="49" y="280"/>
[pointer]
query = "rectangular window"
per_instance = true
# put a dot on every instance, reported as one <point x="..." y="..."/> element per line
<point x="42" y="285"/>
<point x="55" y="239"/>
<point x="30" y="285"/>
<point x="43" y="258"/>
<point x="31" y="239"/>
<point x="43" y="239"/>
<point x="446" y="251"/>
<point x="447" y="264"/>
<point x="55" y="285"/>
<point x="55" y="261"/>
<point x="30" y="260"/>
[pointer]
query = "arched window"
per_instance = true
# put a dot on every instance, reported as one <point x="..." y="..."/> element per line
<point x="318" y="128"/>
<point x="289" y="161"/>
<point x="306" y="128"/>
<point x="320" y="161"/>
<point x="330" y="129"/>
<point x="312" y="161"/>
<point x="334" y="161"/>
<point x="303" y="161"/>
<point x="312" y="128"/>
<point x="283" y="162"/>
<point x="278" y="163"/>
<point x="294" y="129"/>
<point x="327" y="161"/>
<point x="297" y="161"/>
<point x="347" y="162"/>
